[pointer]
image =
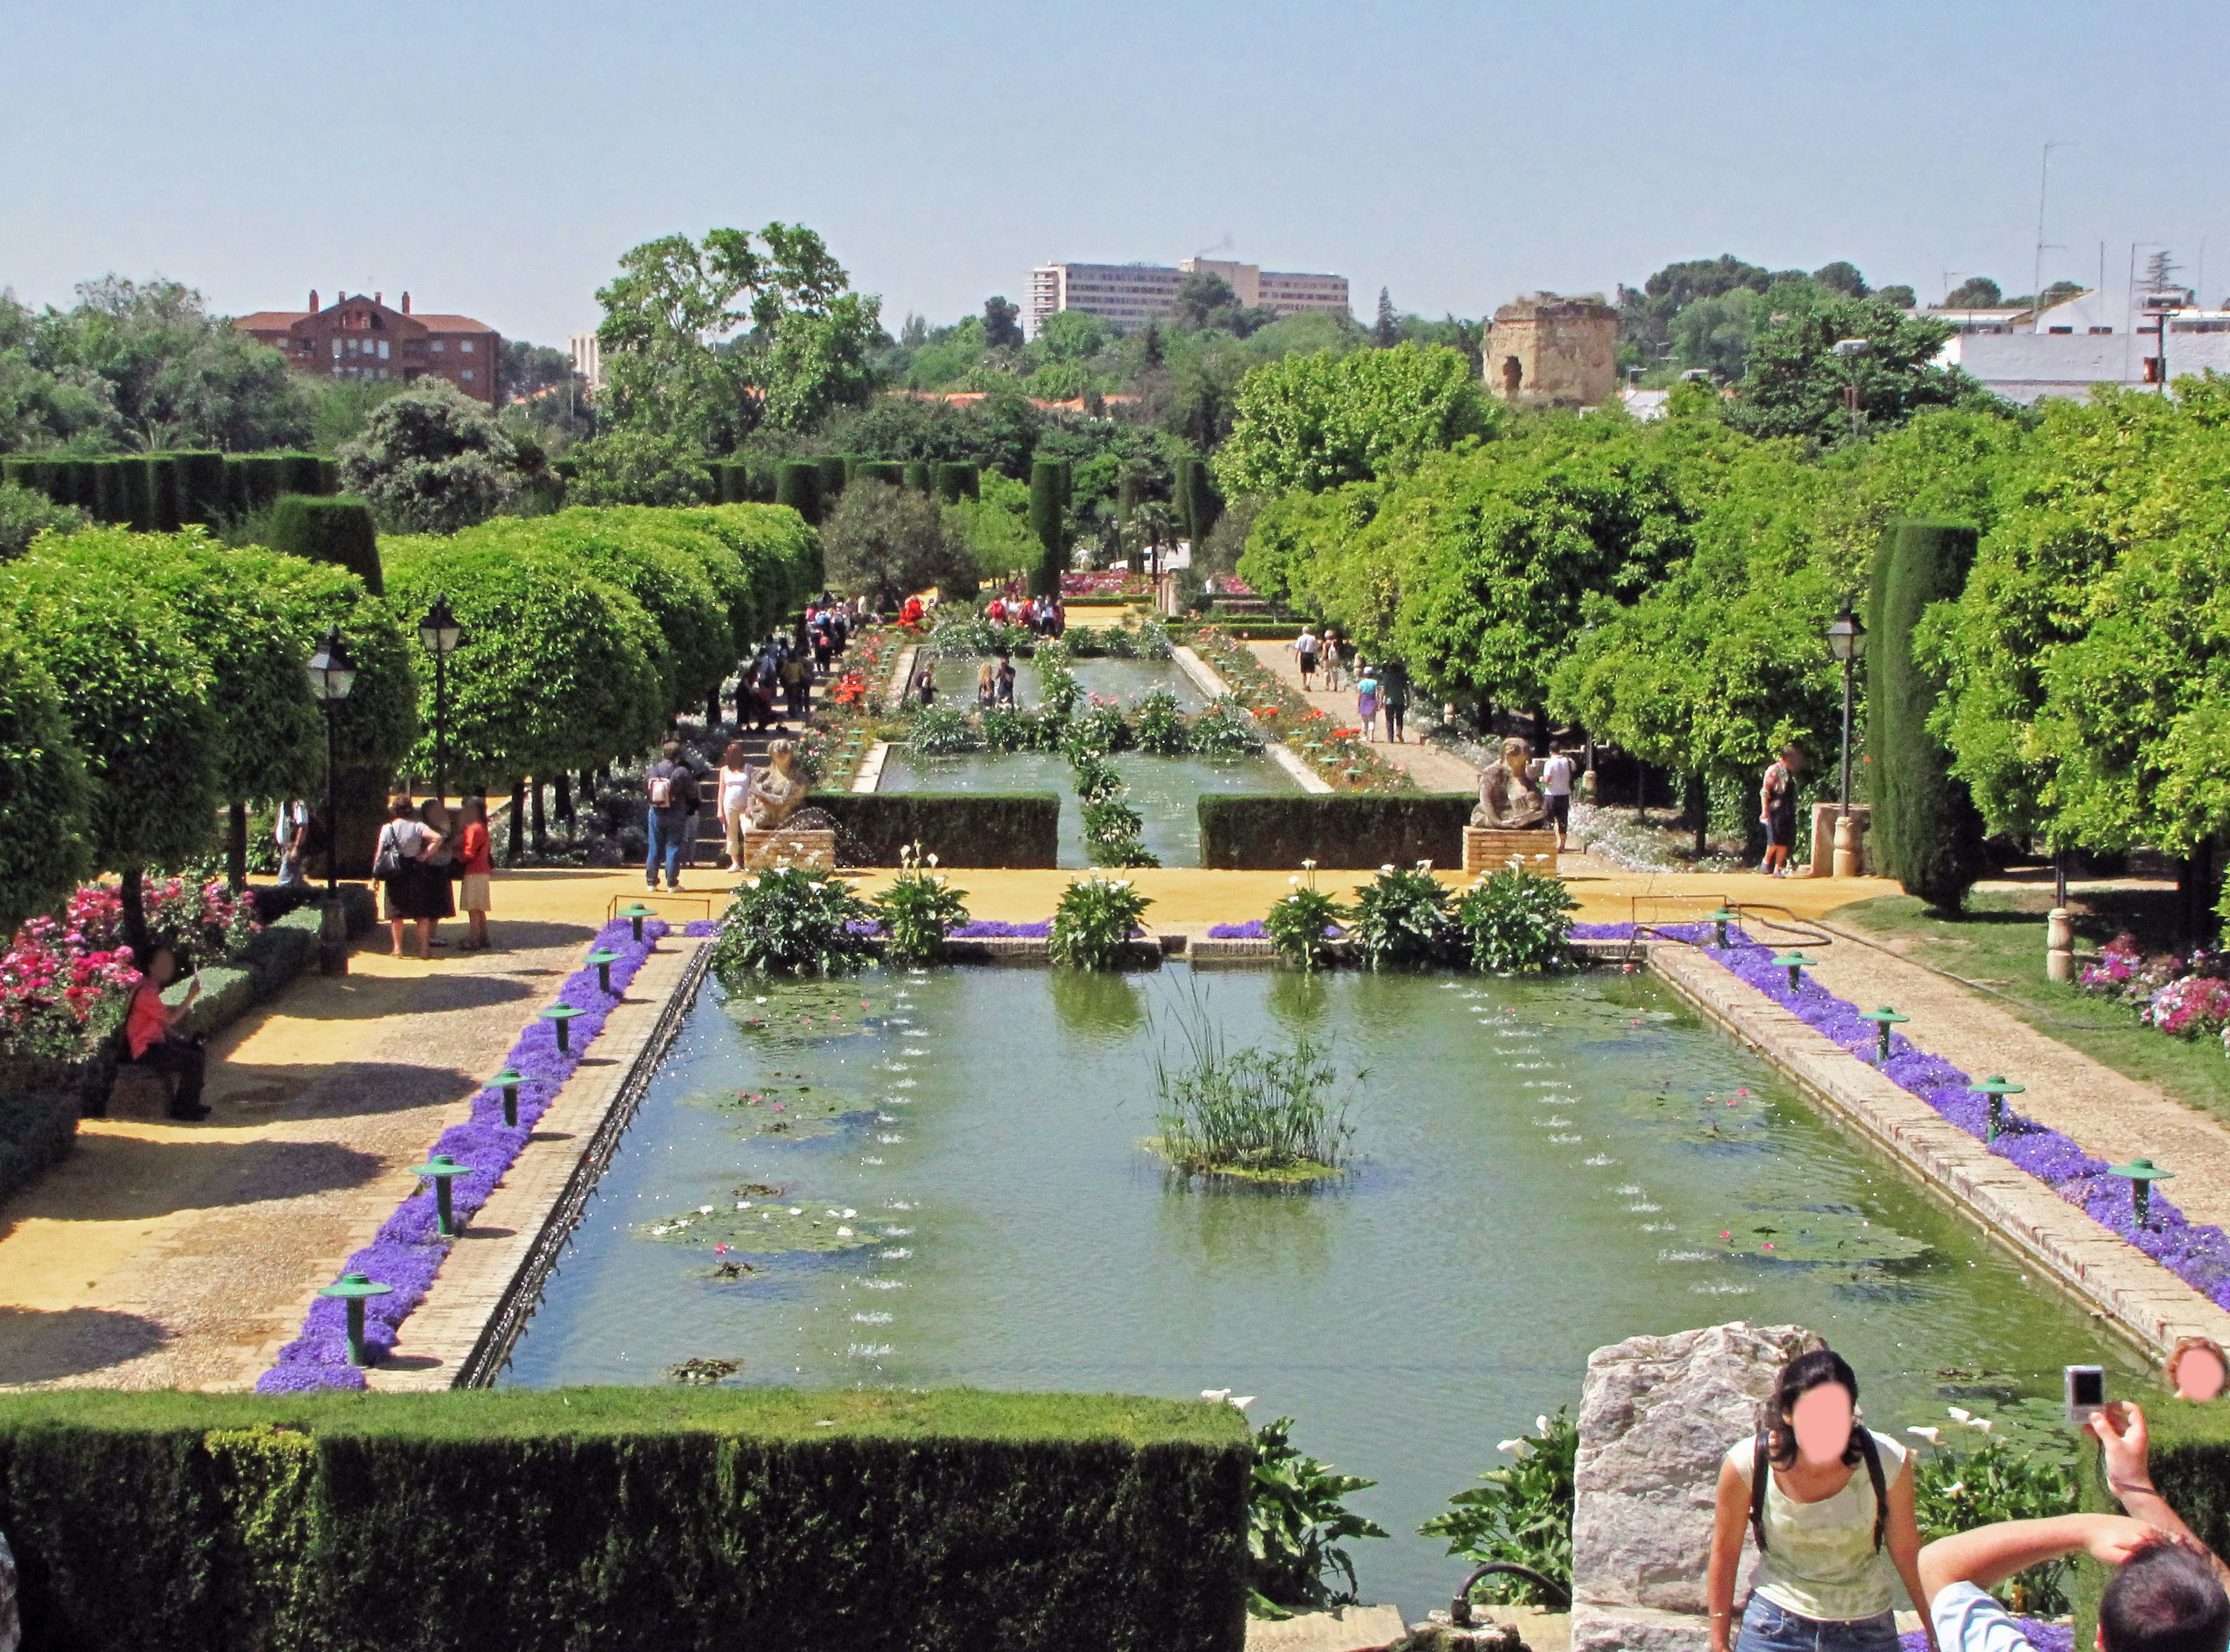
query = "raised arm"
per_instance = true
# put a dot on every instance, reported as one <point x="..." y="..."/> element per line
<point x="1989" y="1554"/>
<point x="2124" y="1451"/>
<point x="1903" y="1540"/>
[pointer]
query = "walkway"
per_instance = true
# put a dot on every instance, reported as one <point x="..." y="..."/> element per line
<point x="1433" y="767"/>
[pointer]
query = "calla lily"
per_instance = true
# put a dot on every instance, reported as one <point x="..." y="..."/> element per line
<point x="1933" y="1435"/>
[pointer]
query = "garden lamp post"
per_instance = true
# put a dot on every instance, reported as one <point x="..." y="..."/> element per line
<point x="509" y="1080"/>
<point x="1883" y="1019"/>
<point x="332" y="674"/>
<point x="354" y="1289"/>
<point x="1851" y="350"/>
<point x="1994" y="1090"/>
<point x="1847" y="640"/>
<point x="441" y="634"/>
<point x="438" y="1169"/>
<point x="1796" y="963"/>
<point x="2141" y="1173"/>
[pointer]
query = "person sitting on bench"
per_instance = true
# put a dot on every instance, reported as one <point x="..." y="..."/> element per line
<point x="150" y="1033"/>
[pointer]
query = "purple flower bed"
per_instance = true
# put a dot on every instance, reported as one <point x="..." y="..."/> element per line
<point x="992" y="929"/>
<point x="2198" y="1254"/>
<point x="701" y="928"/>
<point x="406" y="1252"/>
<point x="1250" y="930"/>
<point x="2045" y="1637"/>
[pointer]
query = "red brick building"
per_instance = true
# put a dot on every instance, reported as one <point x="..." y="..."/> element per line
<point x="360" y="337"/>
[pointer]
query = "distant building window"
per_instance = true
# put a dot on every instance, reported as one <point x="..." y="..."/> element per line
<point x="2062" y="330"/>
<point x="337" y="346"/>
<point x="467" y="376"/>
<point x="383" y="372"/>
<point x="438" y="346"/>
<point x="2096" y="331"/>
<point x="383" y="353"/>
<point x="466" y="346"/>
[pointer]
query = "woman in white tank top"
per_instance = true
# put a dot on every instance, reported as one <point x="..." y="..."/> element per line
<point x="735" y="791"/>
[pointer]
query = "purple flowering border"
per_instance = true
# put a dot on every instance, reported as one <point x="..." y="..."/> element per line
<point x="2197" y="1253"/>
<point x="406" y="1252"/>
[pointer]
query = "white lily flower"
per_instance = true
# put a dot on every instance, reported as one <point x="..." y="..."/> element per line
<point x="1515" y="1447"/>
<point x="1959" y="1416"/>
<point x="1243" y="1401"/>
<point x="932" y="860"/>
<point x="1982" y="1423"/>
<point x="1295" y="882"/>
<point x="1955" y="1489"/>
<point x="1387" y="870"/>
<point x="843" y="1233"/>
<point x="1216" y="1396"/>
<point x="1933" y="1435"/>
<point x="1541" y="1423"/>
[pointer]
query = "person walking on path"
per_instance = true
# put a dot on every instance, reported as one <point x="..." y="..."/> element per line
<point x="291" y="832"/>
<point x="476" y="862"/>
<point x="1335" y="657"/>
<point x="735" y="791"/>
<point x="1557" y="786"/>
<point x="1776" y="799"/>
<point x="1366" y="701"/>
<point x="441" y="863"/>
<point x="1305" y="654"/>
<point x="666" y="785"/>
<point x="1394" y="697"/>
<point x="794" y="686"/>
<point x="2167" y="1591"/>
<point x="399" y="861"/>
<point x="1830" y="1505"/>
<point x="150" y="1034"/>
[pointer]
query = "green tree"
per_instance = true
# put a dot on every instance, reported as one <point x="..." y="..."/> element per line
<point x="25" y="514"/>
<point x="1976" y="292"/>
<point x="44" y="793"/>
<point x="1388" y="333"/>
<point x="891" y="543"/>
<point x="432" y="460"/>
<point x="820" y="361"/>
<point x="639" y="467"/>
<point x="1003" y="324"/>
<point x="1072" y="335"/>
<point x="1795" y="383"/>
<point x="1317" y="420"/>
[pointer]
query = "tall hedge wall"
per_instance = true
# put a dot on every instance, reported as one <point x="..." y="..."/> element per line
<point x="336" y="530"/>
<point x="797" y="485"/>
<point x="921" y="476"/>
<point x="835" y="469"/>
<point x="960" y="828"/>
<point x="958" y="482"/>
<point x="1338" y="832"/>
<point x="2190" y="1457"/>
<point x="1926" y="832"/>
<point x="879" y="470"/>
<point x="646" y="1518"/>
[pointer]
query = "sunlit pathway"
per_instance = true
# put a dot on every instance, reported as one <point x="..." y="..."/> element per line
<point x="1433" y="767"/>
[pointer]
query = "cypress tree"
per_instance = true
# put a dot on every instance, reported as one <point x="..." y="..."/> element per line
<point x="836" y="471"/>
<point x="321" y="530"/>
<point x="918" y="475"/>
<point x="957" y="482"/>
<point x="201" y="486"/>
<point x="1926" y="830"/>
<point x="1049" y="486"/>
<point x="797" y="485"/>
<point x="1198" y="505"/>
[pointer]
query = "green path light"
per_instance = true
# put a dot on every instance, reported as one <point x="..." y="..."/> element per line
<point x="1883" y="1019"/>
<point x="438" y="1169"/>
<point x="1996" y="1088"/>
<point x="559" y="1014"/>
<point x="352" y="1289"/>
<point x="510" y="1079"/>
<point x="603" y="958"/>
<point x="2142" y="1175"/>
<point x="1794" y="962"/>
<point x="636" y="914"/>
<point x="1721" y="918"/>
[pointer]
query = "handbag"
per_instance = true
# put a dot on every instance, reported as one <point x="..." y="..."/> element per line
<point x="387" y="862"/>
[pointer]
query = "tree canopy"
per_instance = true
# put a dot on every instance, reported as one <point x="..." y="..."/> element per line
<point x="1317" y="420"/>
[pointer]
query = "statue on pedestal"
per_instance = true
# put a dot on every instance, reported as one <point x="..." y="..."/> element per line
<point x="1508" y="799"/>
<point x="776" y="790"/>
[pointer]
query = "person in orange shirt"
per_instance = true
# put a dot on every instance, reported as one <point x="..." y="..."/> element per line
<point x="150" y="1031"/>
<point x="476" y="859"/>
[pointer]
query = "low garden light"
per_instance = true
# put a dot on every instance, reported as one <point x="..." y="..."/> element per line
<point x="1719" y="920"/>
<point x="1994" y="1090"/>
<point x="354" y="1289"/>
<point x="604" y="958"/>
<point x="438" y="1169"/>
<point x="558" y="1015"/>
<point x="1795" y="963"/>
<point x="2141" y="1173"/>
<point x="510" y="1078"/>
<point x="1883" y="1019"/>
<point x="636" y="914"/>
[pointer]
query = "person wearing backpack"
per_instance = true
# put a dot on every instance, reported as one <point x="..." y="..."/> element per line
<point x="1829" y="1504"/>
<point x="670" y="786"/>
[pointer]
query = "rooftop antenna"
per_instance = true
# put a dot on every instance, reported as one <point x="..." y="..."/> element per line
<point x="2043" y="181"/>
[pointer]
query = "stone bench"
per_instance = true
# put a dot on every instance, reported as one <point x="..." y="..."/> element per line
<point x="789" y="846"/>
<point x="1487" y="850"/>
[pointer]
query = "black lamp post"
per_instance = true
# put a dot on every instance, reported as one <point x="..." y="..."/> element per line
<point x="332" y="674"/>
<point x="441" y="634"/>
<point x="1847" y="640"/>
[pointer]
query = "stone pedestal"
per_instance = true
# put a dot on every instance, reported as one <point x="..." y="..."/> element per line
<point x="1656" y="1415"/>
<point x="2060" y="945"/>
<point x="789" y="847"/>
<point x="1485" y="850"/>
<point x="1824" y="818"/>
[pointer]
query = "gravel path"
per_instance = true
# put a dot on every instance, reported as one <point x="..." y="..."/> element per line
<point x="1432" y="767"/>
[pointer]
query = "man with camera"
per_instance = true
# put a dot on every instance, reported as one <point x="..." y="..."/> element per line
<point x="2166" y="1592"/>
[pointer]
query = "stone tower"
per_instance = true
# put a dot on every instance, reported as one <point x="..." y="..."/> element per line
<point x="1547" y="351"/>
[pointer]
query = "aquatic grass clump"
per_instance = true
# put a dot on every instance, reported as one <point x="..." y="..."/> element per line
<point x="1256" y="1114"/>
<point x="792" y="921"/>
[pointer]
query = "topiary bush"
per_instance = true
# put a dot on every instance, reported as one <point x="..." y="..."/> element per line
<point x="1341" y="833"/>
<point x="1516" y="921"/>
<point x="797" y="485"/>
<point x="962" y="829"/>
<point x="336" y="530"/>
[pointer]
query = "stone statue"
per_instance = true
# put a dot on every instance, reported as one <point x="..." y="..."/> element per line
<point x="776" y="790"/>
<point x="1508" y="799"/>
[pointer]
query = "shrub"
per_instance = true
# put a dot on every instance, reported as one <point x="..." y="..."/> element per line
<point x="1093" y="924"/>
<point x="962" y="829"/>
<point x="1516" y="921"/>
<point x="958" y="482"/>
<point x="1926" y="832"/>
<point x="1402" y="917"/>
<point x="1522" y="1515"/>
<point x="43" y="794"/>
<point x="797" y="485"/>
<point x="1113" y="832"/>
<point x="430" y="461"/>
<point x="1956" y="1491"/>
<point x="919" y="909"/>
<point x="939" y="730"/>
<point x="1058" y="689"/>
<point x="1007" y="728"/>
<point x="1160" y="728"/>
<point x="889" y="543"/>
<point x="1301" y="925"/>
<point x="1223" y="730"/>
<point x="336" y="530"/>
<point x="1102" y="728"/>
<point x="1338" y="833"/>
<point x="1256" y="1114"/>
<point x="1297" y="1524"/>
<point x="792" y="921"/>
<point x="25" y="515"/>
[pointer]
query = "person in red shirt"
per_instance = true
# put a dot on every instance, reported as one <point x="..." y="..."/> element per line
<point x="150" y="1032"/>
<point x="476" y="859"/>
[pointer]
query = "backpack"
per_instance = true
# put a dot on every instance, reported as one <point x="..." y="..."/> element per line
<point x="1761" y="1467"/>
<point x="661" y="790"/>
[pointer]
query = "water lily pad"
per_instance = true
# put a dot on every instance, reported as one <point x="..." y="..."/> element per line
<point x="764" y="1228"/>
<point x="1830" y="1235"/>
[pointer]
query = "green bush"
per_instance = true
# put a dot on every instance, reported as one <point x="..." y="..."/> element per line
<point x="1522" y="1515"/>
<point x="1302" y="925"/>
<point x="43" y="794"/>
<point x="1160" y="729"/>
<point x="252" y="482"/>
<point x="1926" y="832"/>
<point x="1298" y="1525"/>
<point x="1049" y="485"/>
<point x="1340" y="833"/>
<point x="835" y="469"/>
<point x="1095" y="920"/>
<point x="919" y="909"/>
<point x="25" y="513"/>
<point x="201" y="486"/>
<point x="879" y="469"/>
<point x="791" y="920"/>
<point x="677" y="1519"/>
<point x="964" y="829"/>
<point x="920" y="476"/>
<point x="940" y="730"/>
<point x="1401" y="918"/>
<point x="1956" y="1491"/>
<point x="797" y="485"/>
<point x="37" y="1131"/>
<point x="1516" y="921"/>
<point x="958" y="482"/>
<point x="165" y="508"/>
<point x="336" y="530"/>
<point x="112" y="489"/>
<point x="2190" y="1458"/>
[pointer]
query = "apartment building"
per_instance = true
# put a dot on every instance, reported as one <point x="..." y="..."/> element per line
<point x="1130" y="295"/>
<point x="359" y="337"/>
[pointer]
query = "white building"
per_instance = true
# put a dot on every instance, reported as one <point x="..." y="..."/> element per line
<point x="2096" y="337"/>
<point x="1130" y="295"/>
<point x="588" y="358"/>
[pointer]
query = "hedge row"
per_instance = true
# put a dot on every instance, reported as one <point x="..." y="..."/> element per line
<point x="974" y="829"/>
<point x="163" y="493"/>
<point x="2190" y="1457"/>
<point x="1340" y="833"/>
<point x="652" y="1518"/>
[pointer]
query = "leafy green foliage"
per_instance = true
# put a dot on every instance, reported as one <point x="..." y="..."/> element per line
<point x="1303" y="924"/>
<point x="1298" y="1526"/>
<point x="940" y="729"/>
<point x="25" y="514"/>
<point x="639" y="466"/>
<point x="1317" y="420"/>
<point x="919" y="909"/>
<point x="1958" y="1491"/>
<point x="1264" y="1115"/>
<point x="43" y="794"/>
<point x="1094" y="921"/>
<point x="432" y="460"/>
<point x="792" y="921"/>
<point x="1516" y="921"/>
<point x="1158" y="728"/>
<point x="1523" y="1515"/>
<point x="890" y="542"/>
<point x="1402" y="917"/>
<point x="1795" y="383"/>
<point x="1223" y="730"/>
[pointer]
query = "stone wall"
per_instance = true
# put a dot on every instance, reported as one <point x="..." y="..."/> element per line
<point x="1544" y="350"/>
<point x="1656" y="1415"/>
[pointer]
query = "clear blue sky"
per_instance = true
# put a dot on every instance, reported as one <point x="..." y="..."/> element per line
<point x="495" y="158"/>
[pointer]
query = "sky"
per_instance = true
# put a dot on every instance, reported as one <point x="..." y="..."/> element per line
<point x="495" y="159"/>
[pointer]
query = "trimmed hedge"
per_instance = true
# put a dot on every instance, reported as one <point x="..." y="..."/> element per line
<point x="37" y="1132"/>
<point x="958" y="482"/>
<point x="974" y="829"/>
<point x="835" y="469"/>
<point x="201" y="486"/>
<point x="2190" y="1457"/>
<point x="879" y="470"/>
<point x="797" y="485"/>
<point x="625" y="1518"/>
<point x="1050" y="483"/>
<point x="1340" y="833"/>
<point x="336" y="530"/>
<point x="920" y="477"/>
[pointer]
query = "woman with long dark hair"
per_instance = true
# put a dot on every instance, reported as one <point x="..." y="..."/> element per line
<point x="1829" y="1504"/>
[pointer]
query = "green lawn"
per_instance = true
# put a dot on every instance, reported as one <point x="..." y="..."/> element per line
<point x="1999" y="941"/>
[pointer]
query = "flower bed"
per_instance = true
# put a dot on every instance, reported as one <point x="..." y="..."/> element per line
<point x="2198" y="1254"/>
<point x="406" y="1252"/>
<point x="1340" y="755"/>
<point x="2184" y="997"/>
<point x="1103" y="584"/>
